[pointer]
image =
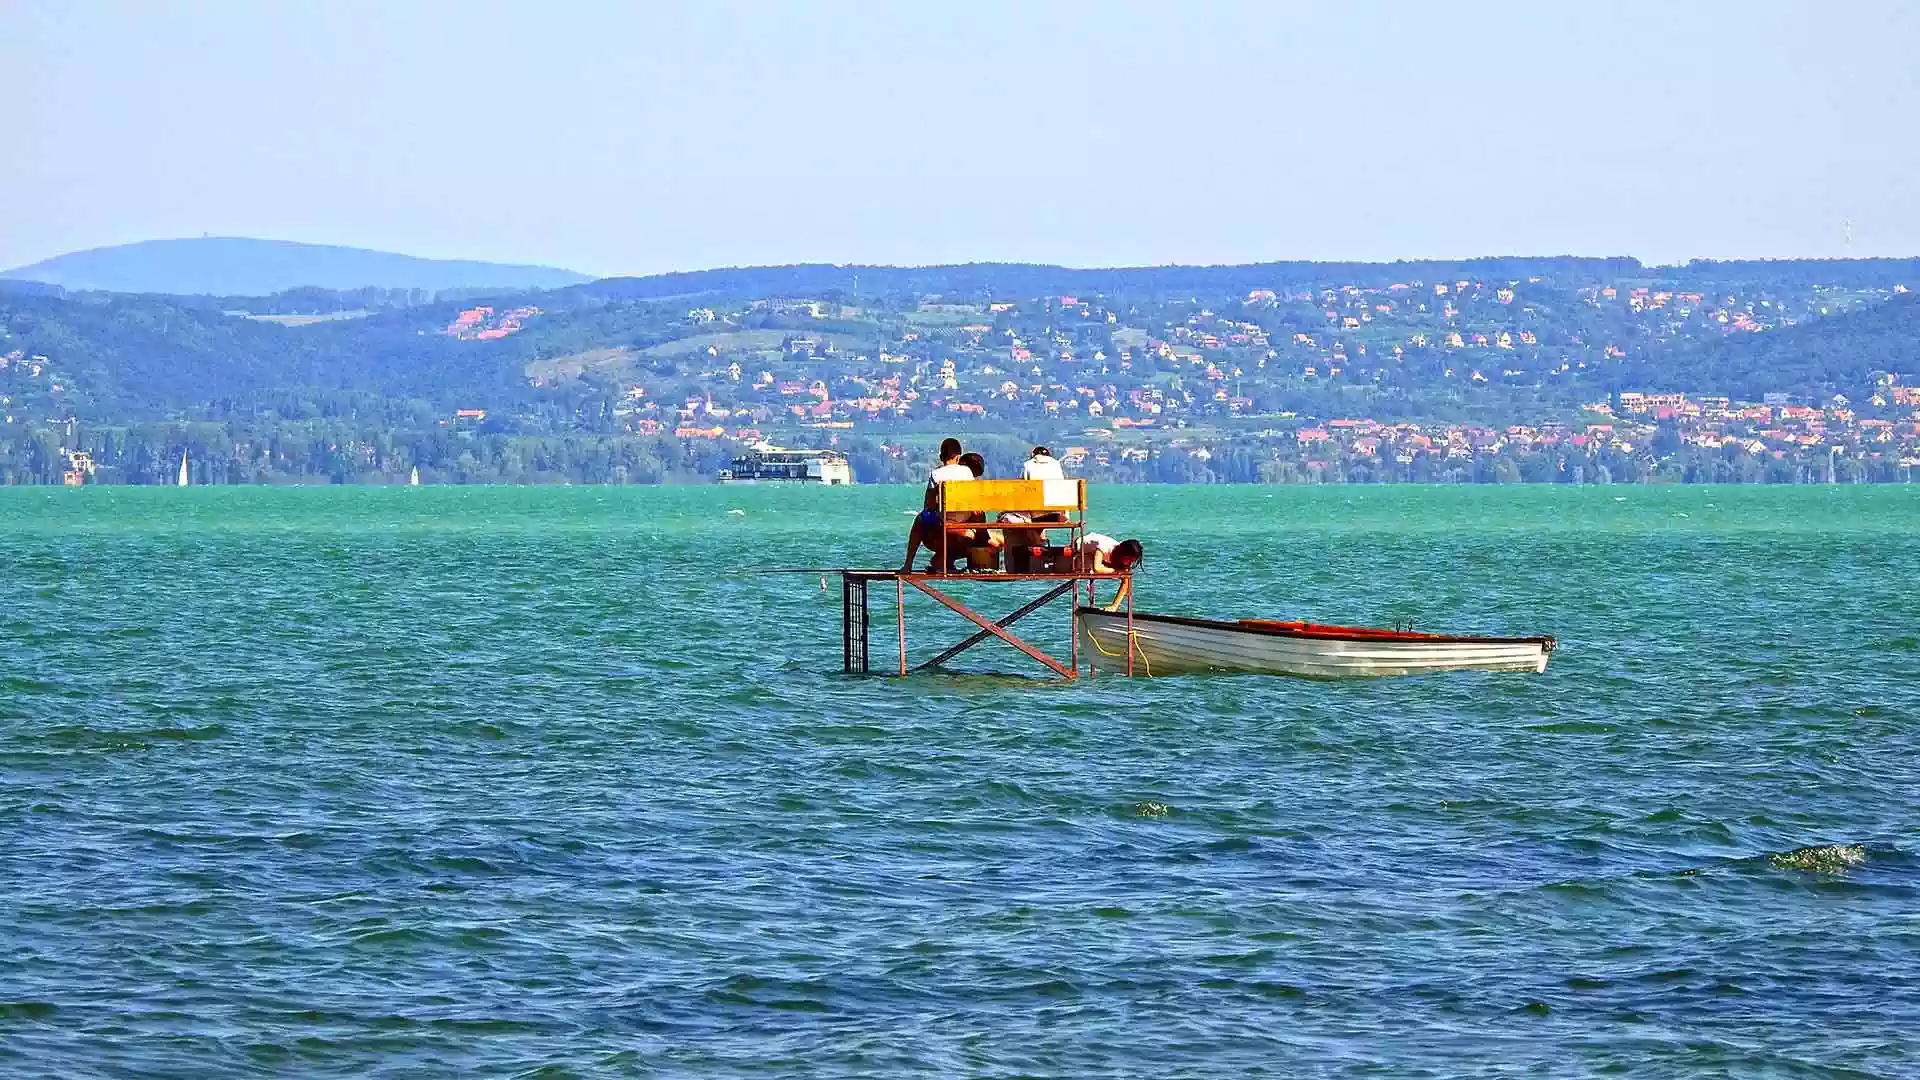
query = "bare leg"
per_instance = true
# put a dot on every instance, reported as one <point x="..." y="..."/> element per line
<point x="913" y="546"/>
<point x="922" y="535"/>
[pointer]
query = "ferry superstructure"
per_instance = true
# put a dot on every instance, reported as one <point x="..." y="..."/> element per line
<point x="766" y="463"/>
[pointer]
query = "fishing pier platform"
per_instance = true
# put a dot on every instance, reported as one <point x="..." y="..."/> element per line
<point x="1011" y="550"/>
<point x="856" y="645"/>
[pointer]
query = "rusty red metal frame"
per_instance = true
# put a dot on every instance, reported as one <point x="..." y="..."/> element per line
<point x="1063" y="584"/>
<point x="1012" y="617"/>
<point x="993" y="628"/>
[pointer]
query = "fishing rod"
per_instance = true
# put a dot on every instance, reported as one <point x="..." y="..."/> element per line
<point x="813" y="570"/>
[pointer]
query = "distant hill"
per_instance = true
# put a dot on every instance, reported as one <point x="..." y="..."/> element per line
<point x="1838" y="354"/>
<point x="237" y="266"/>
<point x="1037" y="279"/>
<point x="126" y="357"/>
<point x="596" y="381"/>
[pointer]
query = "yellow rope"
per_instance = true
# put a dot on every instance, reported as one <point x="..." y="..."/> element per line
<point x="1133" y="639"/>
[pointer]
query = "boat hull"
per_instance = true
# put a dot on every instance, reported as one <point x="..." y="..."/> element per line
<point x="1166" y="644"/>
<point x="803" y="481"/>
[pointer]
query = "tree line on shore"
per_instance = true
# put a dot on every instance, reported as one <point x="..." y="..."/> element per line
<point x="349" y="453"/>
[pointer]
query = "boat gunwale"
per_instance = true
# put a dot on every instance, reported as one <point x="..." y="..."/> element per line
<point x="1327" y="633"/>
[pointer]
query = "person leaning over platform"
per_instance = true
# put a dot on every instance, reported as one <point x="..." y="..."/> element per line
<point x="926" y="525"/>
<point x="1105" y="555"/>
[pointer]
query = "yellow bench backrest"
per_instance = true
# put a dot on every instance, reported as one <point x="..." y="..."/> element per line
<point x="1026" y="495"/>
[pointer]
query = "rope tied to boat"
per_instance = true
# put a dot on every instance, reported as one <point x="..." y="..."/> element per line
<point x="1133" y="642"/>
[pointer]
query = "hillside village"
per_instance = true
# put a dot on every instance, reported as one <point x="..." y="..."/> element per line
<point x="1134" y="385"/>
<point x="1583" y="372"/>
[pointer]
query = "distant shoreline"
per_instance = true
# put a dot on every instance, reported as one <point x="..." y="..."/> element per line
<point x="904" y="485"/>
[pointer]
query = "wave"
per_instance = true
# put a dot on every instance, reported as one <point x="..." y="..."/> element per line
<point x="87" y="737"/>
<point x="1821" y="858"/>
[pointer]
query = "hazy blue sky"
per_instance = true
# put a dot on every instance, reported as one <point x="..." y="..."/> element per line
<point x="628" y="138"/>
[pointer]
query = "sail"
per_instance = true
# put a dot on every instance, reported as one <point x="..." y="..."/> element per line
<point x="182" y="482"/>
<point x="415" y="478"/>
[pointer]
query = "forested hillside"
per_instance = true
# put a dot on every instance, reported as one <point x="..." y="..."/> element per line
<point x="1812" y="360"/>
<point x="1558" y="368"/>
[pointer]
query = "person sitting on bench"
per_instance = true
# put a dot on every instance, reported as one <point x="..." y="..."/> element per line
<point x="1041" y="465"/>
<point x="927" y="525"/>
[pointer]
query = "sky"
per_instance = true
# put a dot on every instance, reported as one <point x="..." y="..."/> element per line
<point x="629" y="138"/>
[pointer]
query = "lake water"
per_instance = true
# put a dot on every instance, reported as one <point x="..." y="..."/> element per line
<point x="494" y="781"/>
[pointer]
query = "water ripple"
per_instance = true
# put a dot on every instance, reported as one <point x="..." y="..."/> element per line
<point x="513" y="782"/>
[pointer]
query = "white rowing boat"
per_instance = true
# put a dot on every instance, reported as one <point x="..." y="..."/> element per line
<point x="1166" y="644"/>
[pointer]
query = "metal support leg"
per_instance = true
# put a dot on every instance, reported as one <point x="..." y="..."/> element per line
<point x="993" y="628"/>
<point x="1093" y="659"/>
<point x="853" y="624"/>
<point x="1019" y="613"/>
<point x="1073" y="625"/>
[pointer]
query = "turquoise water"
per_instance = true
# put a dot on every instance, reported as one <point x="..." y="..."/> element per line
<point x="489" y="781"/>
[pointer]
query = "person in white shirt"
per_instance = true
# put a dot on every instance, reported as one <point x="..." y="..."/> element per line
<point x="1041" y="465"/>
<point x="950" y="469"/>
<point x="927" y="526"/>
<point x="1105" y="555"/>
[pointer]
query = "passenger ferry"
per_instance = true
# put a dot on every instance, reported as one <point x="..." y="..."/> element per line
<point x="766" y="463"/>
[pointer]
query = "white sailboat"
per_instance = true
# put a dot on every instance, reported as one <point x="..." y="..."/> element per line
<point x="414" y="480"/>
<point x="182" y="481"/>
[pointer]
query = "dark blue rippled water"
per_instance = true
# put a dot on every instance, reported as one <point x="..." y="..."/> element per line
<point x="422" y="782"/>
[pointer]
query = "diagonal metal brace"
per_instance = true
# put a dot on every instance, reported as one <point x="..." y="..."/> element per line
<point x="991" y="627"/>
<point x="981" y="635"/>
